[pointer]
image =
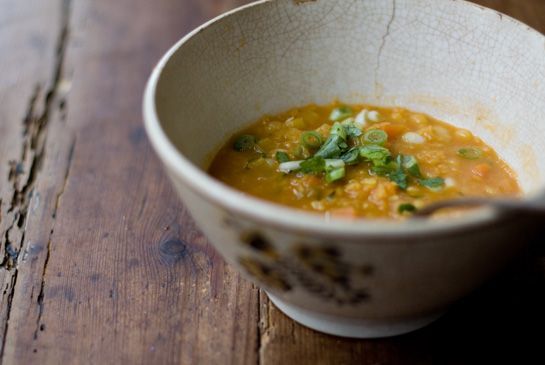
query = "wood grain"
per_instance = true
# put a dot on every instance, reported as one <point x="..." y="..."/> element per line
<point x="102" y="264"/>
<point x="121" y="274"/>
<point x="29" y="36"/>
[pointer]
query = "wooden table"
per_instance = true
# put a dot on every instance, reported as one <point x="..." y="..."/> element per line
<point x="102" y="264"/>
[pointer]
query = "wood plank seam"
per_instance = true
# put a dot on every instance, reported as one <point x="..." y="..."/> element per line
<point x="61" y="51"/>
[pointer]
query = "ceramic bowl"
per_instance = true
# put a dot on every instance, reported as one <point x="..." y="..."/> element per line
<point x="459" y="62"/>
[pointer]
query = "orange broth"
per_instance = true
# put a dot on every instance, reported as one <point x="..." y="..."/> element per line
<point x="450" y="162"/>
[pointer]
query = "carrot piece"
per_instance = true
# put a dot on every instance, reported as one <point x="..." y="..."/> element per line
<point x="481" y="170"/>
<point x="393" y="130"/>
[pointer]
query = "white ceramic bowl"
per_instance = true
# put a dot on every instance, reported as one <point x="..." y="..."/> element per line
<point x="468" y="65"/>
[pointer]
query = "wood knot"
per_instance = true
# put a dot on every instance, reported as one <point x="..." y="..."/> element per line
<point x="173" y="250"/>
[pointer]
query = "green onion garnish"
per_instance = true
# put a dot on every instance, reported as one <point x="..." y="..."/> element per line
<point x="340" y="113"/>
<point x="311" y="139"/>
<point x="334" y="164"/>
<point x="378" y="155"/>
<point x="406" y="208"/>
<point x="335" y="174"/>
<point x="313" y="165"/>
<point x="375" y="136"/>
<point x="351" y="128"/>
<point x="342" y="148"/>
<point x="352" y="156"/>
<point x="434" y="183"/>
<point x="287" y="167"/>
<point x="411" y="164"/>
<point x="398" y="176"/>
<point x="282" y="156"/>
<point x="244" y="143"/>
<point x="470" y="153"/>
<point x="333" y="147"/>
<point x="338" y="130"/>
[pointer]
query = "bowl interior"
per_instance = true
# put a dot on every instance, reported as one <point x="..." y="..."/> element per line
<point x="461" y="63"/>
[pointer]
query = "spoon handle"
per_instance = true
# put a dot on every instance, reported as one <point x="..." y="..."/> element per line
<point x="503" y="204"/>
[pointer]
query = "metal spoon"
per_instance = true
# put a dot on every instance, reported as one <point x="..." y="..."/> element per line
<point x="512" y="205"/>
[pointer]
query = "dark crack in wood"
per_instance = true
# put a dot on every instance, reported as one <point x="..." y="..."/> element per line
<point x="61" y="50"/>
<point x="32" y="156"/>
<point x="40" y="298"/>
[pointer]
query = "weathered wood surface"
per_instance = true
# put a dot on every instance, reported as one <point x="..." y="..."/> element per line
<point x="101" y="264"/>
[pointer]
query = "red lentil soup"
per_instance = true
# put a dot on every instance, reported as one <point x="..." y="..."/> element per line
<point x="360" y="161"/>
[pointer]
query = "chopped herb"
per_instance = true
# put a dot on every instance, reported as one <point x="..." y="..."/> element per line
<point x="333" y="147"/>
<point x="335" y="174"/>
<point x="470" y="153"/>
<point x="313" y="165"/>
<point x="398" y="176"/>
<point x="340" y="113"/>
<point x="282" y="156"/>
<point x="406" y="208"/>
<point x="375" y="136"/>
<point x="351" y="157"/>
<point x="244" y="143"/>
<point x="411" y="165"/>
<point x="377" y="155"/>
<point x="433" y="183"/>
<point x="338" y="129"/>
<point x="289" y="166"/>
<point x="311" y="139"/>
<point x="334" y="164"/>
<point x="335" y="170"/>
<point x="348" y="122"/>
<point x="384" y="170"/>
<point x="351" y="129"/>
<point x="335" y="154"/>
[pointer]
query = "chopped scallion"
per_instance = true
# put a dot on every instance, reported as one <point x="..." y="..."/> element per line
<point x="282" y="156"/>
<point x="244" y="143"/>
<point x="334" y="164"/>
<point x="411" y="164"/>
<point x="470" y="153"/>
<point x="287" y="167"/>
<point x="351" y="157"/>
<point x="335" y="174"/>
<point x="375" y="136"/>
<point x="399" y="177"/>
<point x="311" y="139"/>
<point x="352" y="130"/>
<point x="348" y="122"/>
<point x="378" y="155"/>
<point x="332" y="148"/>
<point x="373" y="116"/>
<point x="406" y="208"/>
<point x="340" y="113"/>
<point x="313" y="165"/>
<point x="434" y="183"/>
<point x="338" y="130"/>
<point x="361" y="118"/>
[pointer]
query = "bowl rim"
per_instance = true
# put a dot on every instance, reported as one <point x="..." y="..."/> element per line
<point x="283" y="217"/>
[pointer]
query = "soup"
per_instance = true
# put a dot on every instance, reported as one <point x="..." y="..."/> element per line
<point x="360" y="161"/>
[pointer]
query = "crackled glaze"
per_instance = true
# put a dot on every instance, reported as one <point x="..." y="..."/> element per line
<point x="453" y="60"/>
